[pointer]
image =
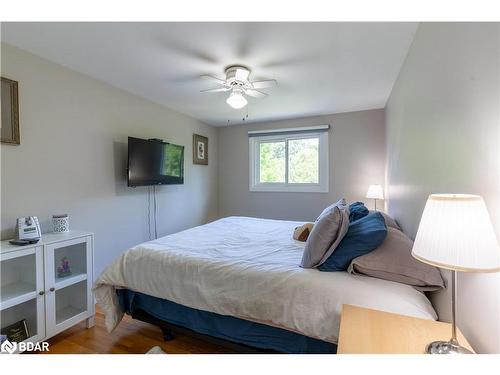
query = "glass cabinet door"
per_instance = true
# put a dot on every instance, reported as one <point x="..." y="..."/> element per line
<point x="66" y="277"/>
<point x="22" y="307"/>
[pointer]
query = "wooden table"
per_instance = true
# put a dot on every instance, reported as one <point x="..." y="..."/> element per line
<point x="366" y="331"/>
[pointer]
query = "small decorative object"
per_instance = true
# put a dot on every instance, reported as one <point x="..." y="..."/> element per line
<point x="455" y="233"/>
<point x="60" y="223"/>
<point x="10" y="112"/>
<point x="375" y="192"/>
<point x="200" y="149"/>
<point x="64" y="270"/>
<point x="17" y="332"/>
<point x="301" y="233"/>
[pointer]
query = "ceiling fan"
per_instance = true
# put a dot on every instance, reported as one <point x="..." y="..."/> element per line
<point x="239" y="85"/>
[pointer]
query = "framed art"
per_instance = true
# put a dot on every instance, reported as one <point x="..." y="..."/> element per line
<point x="200" y="149"/>
<point x="10" y="112"/>
<point x="17" y="332"/>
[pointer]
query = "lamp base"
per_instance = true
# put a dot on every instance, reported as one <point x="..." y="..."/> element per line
<point x="446" y="347"/>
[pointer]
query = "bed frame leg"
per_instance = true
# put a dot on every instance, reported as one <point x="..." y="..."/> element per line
<point x="167" y="334"/>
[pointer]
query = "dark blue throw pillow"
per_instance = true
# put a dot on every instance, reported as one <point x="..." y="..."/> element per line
<point x="357" y="211"/>
<point x="364" y="235"/>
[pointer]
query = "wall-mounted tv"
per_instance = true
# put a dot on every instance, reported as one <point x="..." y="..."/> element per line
<point x="153" y="162"/>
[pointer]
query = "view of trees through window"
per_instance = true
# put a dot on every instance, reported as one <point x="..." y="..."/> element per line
<point x="172" y="162"/>
<point x="272" y="162"/>
<point x="303" y="161"/>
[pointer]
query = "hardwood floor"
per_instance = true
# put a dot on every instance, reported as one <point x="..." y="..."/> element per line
<point x="130" y="337"/>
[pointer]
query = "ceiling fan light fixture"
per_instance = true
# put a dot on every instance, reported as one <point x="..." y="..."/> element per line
<point x="236" y="100"/>
<point x="240" y="86"/>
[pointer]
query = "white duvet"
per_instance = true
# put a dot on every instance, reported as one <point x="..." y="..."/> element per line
<point x="249" y="268"/>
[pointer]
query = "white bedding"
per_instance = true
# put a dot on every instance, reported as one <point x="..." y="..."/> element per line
<point x="249" y="268"/>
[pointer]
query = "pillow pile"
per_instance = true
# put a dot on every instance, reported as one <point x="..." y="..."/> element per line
<point x="327" y="232"/>
<point x="357" y="210"/>
<point x="369" y="243"/>
<point x="389" y="221"/>
<point x="363" y="236"/>
<point x="393" y="261"/>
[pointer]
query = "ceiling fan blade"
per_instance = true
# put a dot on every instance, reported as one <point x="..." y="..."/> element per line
<point x="218" y="89"/>
<point x="264" y="83"/>
<point x="255" y="93"/>
<point x="212" y="78"/>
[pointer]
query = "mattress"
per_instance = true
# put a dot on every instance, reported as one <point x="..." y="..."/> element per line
<point x="249" y="268"/>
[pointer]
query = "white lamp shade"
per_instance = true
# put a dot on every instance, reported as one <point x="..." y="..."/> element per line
<point x="456" y="233"/>
<point x="375" y="192"/>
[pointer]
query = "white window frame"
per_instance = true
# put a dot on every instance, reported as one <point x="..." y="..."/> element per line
<point x="254" y="163"/>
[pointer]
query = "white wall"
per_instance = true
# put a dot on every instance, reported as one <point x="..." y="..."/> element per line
<point x="443" y="137"/>
<point x="357" y="159"/>
<point x="72" y="158"/>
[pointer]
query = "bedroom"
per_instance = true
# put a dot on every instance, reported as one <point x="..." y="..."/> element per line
<point x="230" y="157"/>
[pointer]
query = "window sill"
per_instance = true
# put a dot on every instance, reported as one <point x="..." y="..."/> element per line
<point x="289" y="189"/>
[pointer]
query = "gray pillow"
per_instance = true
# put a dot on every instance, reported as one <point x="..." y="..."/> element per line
<point x="393" y="261"/>
<point x="389" y="221"/>
<point x="329" y="229"/>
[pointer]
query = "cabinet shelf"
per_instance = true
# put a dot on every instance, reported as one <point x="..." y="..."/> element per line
<point x="16" y="293"/>
<point x="67" y="312"/>
<point x="63" y="282"/>
<point x="29" y="312"/>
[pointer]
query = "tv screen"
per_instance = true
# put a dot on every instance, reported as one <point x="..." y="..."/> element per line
<point x="152" y="162"/>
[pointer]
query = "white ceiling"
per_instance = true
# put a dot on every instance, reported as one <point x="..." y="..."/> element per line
<point x="321" y="68"/>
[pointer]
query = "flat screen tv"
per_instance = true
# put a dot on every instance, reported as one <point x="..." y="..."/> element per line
<point x="153" y="162"/>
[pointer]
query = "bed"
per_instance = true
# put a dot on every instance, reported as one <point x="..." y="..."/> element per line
<point x="245" y="269"/>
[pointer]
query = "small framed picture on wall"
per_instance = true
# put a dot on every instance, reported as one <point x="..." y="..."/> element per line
<point x="10" y="112"/>
<point x="200" y="149"/>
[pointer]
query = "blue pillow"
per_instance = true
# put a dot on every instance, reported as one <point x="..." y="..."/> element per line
<point x="357" y="211"/>
<point x="364" y="235"/>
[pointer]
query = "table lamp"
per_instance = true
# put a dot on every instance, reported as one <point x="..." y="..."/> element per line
<point x="455" y="233"/>
<point x="375" y="192"/>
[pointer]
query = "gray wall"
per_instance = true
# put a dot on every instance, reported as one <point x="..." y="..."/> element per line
<point x="72" y="158"/>
<point x="357" y="159"/>
<point x="443" y="137"/>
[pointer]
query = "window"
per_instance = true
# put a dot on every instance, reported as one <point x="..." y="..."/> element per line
<point x="289" y="160"/>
